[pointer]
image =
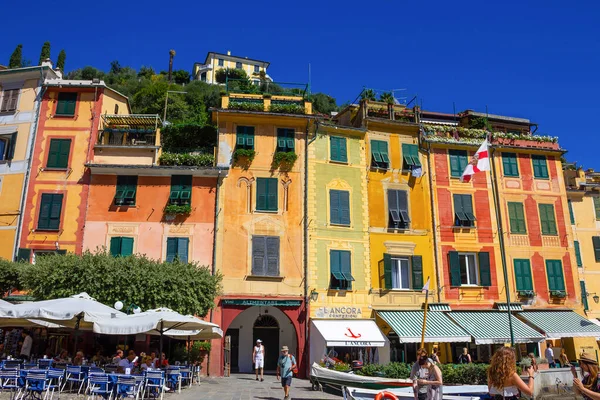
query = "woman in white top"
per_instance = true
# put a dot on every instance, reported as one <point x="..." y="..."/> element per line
<point x="503" y="380"/>
<point x="258" y="356"/>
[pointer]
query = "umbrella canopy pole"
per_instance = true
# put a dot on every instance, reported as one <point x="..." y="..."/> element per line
<point x="75" y="332"/>
<point x="160" y="346"/>
<point x="189" y="349"/>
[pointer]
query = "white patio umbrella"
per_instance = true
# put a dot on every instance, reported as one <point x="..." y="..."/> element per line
<point x="204" y="334"/>
<point x="20" y="322"/>
<point x="158" y="321"/>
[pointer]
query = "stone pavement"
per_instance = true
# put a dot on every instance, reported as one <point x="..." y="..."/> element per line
<point x="245" y="387"/>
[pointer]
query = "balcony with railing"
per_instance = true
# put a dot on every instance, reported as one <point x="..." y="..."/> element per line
<point x="266" y="96"/>
<point x="128" y="139"/>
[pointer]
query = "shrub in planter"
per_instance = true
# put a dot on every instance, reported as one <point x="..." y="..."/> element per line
<point x="287" y="108"/>
<point x="247" y="154"/>
<point x="284" y="159"/>
<point x="246" y="106"/>
<point x="186" y="159"/>
<point x="177" y="209"/>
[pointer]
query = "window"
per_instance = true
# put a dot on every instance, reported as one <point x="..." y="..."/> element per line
<point x="221" y="62"/>
<point x="341" y="270"/>
<point x="540" y="167"/>
<point x="285" y="139"/>
<point x="523" y="275"/>
<point x="470" y="268"/>
<point x="339" y="207"/>
<point x="238" y="65"/>
<point x="337" y="147"/>
<point x="245" y="137"/>
<point x="597" y="207"/>
<point x="126" y="190"/>
<point x="403" y="272"/>
<point x="23" y="254"/>
<point x="7" y="146"/>
<point x="177" y="248"/>
<point x="571" y="213"/>
<point x="547" y="219"/>
<point x="50" y="209"/>
<point x="463" y="211"/>
<point x="66" y="104"/>
<point x="458" y="162"/>
<point x="256" y="69"/>
<point x="596" y="244"/>
<point x="379" y="154"/>
<point x="58" y="155"/>
<point x="265" y="255"/>
<point x="10" y="98"/>
<point x="181" y="190"/>
<point x="121" y="246"/>
<point x="398" y="209"/>
<point x="510" y="164"/>
<point x="577" y="253"/>
<point x="554" y="273"/>
<point x="516" y="217"/>
<point x="266" y="194"/>
<point x="116" y="109"/>
<point x="410" y="156"/>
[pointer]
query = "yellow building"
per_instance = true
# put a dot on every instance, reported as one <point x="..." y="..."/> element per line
<point x="20" y="94"/>
<point x="206" y="72"/>
<point x="260" y="226"/>
<point x="58" y="188"/>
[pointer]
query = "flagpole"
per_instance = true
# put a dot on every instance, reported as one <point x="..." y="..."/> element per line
<point x="425" y="315"/>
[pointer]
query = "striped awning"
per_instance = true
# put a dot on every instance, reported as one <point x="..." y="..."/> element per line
<point x="513" y="306"/>
<point x="559" y="324"/>
<point x="439" y="307"/>
<point x="491" y="327"/>
<point x="408" y="326"/>
<point x="152" y="120"/>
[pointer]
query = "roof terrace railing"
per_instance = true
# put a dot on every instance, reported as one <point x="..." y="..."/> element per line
<point x="267" y="87"/>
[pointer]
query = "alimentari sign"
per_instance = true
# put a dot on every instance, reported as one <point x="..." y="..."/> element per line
<point x="262" y="303"/>
<point x="342" y="312"/>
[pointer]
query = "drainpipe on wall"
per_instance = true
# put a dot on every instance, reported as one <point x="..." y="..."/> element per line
<point x="434" y="226"/>
<point x="32" y="136"/>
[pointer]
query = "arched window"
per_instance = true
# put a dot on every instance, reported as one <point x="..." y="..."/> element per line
<point x="266" y="321"/>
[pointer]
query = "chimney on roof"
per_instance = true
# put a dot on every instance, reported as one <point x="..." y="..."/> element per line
<point x="228" y="52"/>
<point x="58" y="73"/>
<point x="47" y="63"/>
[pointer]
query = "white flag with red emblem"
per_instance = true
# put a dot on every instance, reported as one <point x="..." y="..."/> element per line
<point x="479" y="162"/>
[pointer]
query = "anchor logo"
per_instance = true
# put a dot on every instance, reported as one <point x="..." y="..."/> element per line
<point x="352" y="335"/>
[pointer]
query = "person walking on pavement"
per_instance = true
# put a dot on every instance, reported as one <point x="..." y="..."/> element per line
<point x="549" y="354"/>
<point x="286" y="364"/>
<point x="258" y="355"/>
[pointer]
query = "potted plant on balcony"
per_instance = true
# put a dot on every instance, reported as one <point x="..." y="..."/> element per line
<point x="284" y="160"/>
<point x="173" y="210"/>
<point x="243" y="157"/>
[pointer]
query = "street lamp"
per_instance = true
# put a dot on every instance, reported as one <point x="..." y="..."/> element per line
<point x="166" y="100"/>
<point x="132" y="307"/>
<point x="314" y="295"/>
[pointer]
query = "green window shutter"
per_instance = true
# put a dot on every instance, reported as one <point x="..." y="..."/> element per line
<point x="24" y="255"/>
<point x="259" y="250"/>
<point x="171" y="249"/>
<point x="272" y="268"/>
<point x="407" y="156"/>
<point x="379" y="153"/>
<point x="383" y="149"/>
<point x="540" y="166"/>
<point x="12" y="144"/>
<point x="596" y="243"/>
<point x="571" y="214"/>
<point x="343" y="151"/>
<point x="387" y="271"/>
<point x="245" y="137"/>
<point x="66" y="104"/>
<point x="334" y="206"/>
<point x="584" y="298"/>
<point x="597" y="206"/>
<point x="577" y="253"/>
<point x="126" y="190"/>
<point x="485" y="276"/>
<point x="458" y="162"/>
<point x="285" y="139"/>
<point x="454" y="268"/>
<point x="417" y="272"/>
<point x="523" y="274"/>
<point x="261" y="194"/>
<point x="334" y="148"/>
<point x="272" y="199"/>
<point x="126" y="246"/>
<point x="516" y="217"/>
<point x="346" y="268"/>
<point x="50" y="211"/>
<point x="53" y="153"/>
<point x="181" y="189"/>
<point x="182" y="249"/>
<point x="554" y="273"/>
<point x="510" y="165"/>
<point x="414" y="152"/>
<point x="547" y="219"/>
<point x="115" y="246"/>
<point x="344" y="207"/>
<point x="63" y="155"/>
<point x="335" y="268"/>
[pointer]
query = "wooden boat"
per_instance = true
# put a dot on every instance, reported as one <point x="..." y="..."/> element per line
<point x="320" y="376"/>
<point x="463" y="392"/>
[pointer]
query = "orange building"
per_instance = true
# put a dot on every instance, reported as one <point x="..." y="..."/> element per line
<point x="57" y="192"/>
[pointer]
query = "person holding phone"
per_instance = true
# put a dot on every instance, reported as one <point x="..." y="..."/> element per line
<point x="588" y="387"/>
<point x="503" y="381"/>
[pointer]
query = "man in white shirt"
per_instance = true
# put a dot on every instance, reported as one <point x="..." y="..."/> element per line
<point x="549" y="354"/>
<point x="26" y="347"/>
<point x="126" y="365"/>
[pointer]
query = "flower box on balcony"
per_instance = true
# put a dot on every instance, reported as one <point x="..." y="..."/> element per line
<point x="284" y="160"/>
<point x="560" y="294"/>
<point x="526" y="293"/>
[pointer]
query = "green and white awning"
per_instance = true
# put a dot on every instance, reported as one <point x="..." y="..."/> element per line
<point x="513" y="306"/>
<point x="408" y="325"/>
<point x="491" y="327"/>
<point x="439" y="307"/>
<point x="559" y="324"/>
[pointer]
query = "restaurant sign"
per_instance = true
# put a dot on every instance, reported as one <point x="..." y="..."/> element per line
<point x="262" y="303"/>
<point x="341" y="312"/>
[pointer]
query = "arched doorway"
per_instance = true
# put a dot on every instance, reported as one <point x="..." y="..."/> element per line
<point x="266" y="328"/>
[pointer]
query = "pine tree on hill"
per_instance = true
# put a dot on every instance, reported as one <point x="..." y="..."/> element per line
<point x="45" y="53"/>
<point x="16" y="58"/>
<point x="60" y="63"/>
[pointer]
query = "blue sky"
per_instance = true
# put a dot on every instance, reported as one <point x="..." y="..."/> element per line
<point x="534" y="59"/>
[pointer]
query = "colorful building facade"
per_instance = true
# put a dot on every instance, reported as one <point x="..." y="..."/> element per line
<point x="260" y="229"/>
<point x="207" y="71"/>
<point x="20" y="100"/>
<point x="58" y="188"/>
